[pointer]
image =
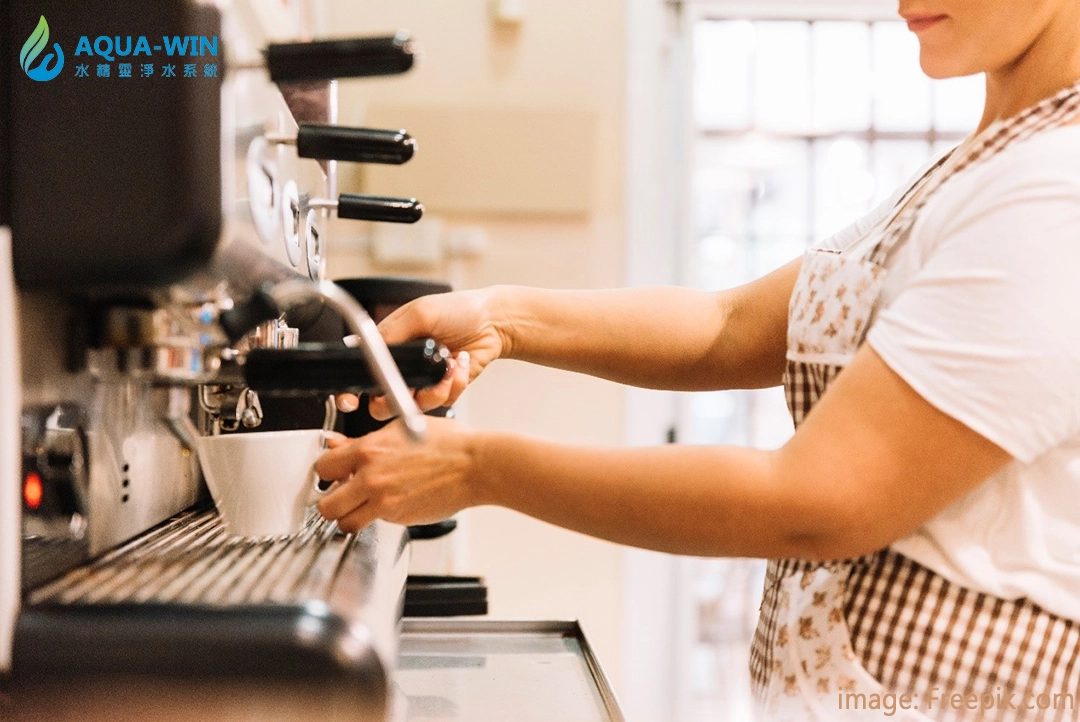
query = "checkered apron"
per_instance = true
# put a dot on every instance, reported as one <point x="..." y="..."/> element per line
<point x="834" y="639"/>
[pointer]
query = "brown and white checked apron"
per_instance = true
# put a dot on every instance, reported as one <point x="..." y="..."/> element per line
<point x="884" y="623"/>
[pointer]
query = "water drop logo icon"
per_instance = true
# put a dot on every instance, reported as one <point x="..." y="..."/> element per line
<point x="32" y="48"/>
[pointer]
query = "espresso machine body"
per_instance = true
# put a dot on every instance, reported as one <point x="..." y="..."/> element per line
<point x="162" y="262"/>
<point x="156" y="231"/>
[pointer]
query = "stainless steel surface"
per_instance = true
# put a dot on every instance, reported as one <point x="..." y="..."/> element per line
<point x="129" y="359"/>
<point x="192" y="560"/>
<point x="489" y="671"/>
<point x="164" y="345"/>
<point x="313" y="241"/>
<point x="10" y="454"/>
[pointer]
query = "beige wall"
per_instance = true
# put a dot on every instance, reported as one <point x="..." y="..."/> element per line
<point x="566" y="54"/>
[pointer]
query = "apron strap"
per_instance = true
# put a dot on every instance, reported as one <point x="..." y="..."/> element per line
<point x="1053" y="112"/>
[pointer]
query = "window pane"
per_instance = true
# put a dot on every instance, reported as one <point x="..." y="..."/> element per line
<point x="781" y="209"/>
<point x="895" y="162"/>
<point x="843" y="184"/>
<point x="941" y="146"/>
<point x="724" y="183"/>
<point x="751" y="200"/>
<point x="901" y="90"/>
<point x="770" y="420"/>
<point x="841" y="76"/>
<point x="958" y="103"/>
<point x="722" y="55"/>
<point x="781" y="77"/>
<point x="719" y="418"/>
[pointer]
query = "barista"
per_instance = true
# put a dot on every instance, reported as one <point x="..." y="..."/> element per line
<point x="922" y="524"/>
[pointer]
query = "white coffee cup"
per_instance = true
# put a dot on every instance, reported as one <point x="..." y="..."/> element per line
<point x="262" y="482"/>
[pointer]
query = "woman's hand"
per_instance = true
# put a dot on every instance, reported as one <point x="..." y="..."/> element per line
<point x="464" y="322"/>
<point x="383" y="475"/>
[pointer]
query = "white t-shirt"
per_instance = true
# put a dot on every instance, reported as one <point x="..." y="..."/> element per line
<point x="980" y="314"/>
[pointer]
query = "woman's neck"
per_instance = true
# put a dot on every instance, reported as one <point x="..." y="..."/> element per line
<point x="1050" y="64"/>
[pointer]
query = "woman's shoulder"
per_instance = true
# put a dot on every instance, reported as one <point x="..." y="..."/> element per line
<point x="1021" y="180"/>
<point x="1049" y="157"/>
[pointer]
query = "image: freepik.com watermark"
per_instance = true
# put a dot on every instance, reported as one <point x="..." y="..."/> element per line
<point x="941" y="698"/>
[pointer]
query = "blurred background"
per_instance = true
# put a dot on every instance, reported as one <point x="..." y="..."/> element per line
<point x="570" y="144"/>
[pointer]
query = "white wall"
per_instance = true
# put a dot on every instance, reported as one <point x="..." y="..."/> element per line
<point x="566" y="54"/>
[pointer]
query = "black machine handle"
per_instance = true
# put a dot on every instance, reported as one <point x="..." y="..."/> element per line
<point x="356" y="145"/>
<point x="347" y="58"/>
<point x="315" y="368"/>
<point x="379" y="208"/>
<point x="242" y="318"/>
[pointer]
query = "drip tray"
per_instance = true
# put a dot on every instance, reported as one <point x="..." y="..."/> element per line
<point x="453" y="670"/>
<point x="187" y="616"/>
<point x="190" y="559"/>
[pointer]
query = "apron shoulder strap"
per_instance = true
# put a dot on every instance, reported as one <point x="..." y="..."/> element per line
<point x="1053" y="112"/>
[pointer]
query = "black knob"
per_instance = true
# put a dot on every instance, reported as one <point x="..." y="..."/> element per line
<point x="246" y="316"/>
<point x="432" y="531"/>
<point x="379" y="208"/>
<point x="347" y="58"/>
<point x="357" y="145"/>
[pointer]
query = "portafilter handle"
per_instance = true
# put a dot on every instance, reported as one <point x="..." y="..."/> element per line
<point x="278" y="297"/>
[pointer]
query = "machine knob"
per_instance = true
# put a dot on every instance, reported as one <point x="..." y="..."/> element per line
<point x="357" y="145"/>
<point x="347" y="58"/>
<point x="244" y="317"/>
<point x="379" y="208"/>
<point x="372" y="208"/>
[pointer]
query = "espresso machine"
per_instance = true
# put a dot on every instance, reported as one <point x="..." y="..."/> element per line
<point x="163" y="273"/>
<point x="163" y="237"/>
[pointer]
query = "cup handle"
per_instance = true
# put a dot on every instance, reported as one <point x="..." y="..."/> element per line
<point x="317" y="492"/>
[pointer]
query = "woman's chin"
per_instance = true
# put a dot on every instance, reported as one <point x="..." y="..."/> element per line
<point x="939" y="66"/>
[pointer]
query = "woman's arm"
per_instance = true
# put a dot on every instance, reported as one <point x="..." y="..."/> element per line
<point x="661" y="338"/>
<point x="666" y="338"/>
<point x="871" y="463"/>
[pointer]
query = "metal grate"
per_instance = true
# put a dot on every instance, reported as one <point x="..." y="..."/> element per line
<point x="190" y="559"/>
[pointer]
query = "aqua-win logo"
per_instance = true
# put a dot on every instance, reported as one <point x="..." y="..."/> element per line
<point x="123" y="58"/>
<point x="32" y="48"/>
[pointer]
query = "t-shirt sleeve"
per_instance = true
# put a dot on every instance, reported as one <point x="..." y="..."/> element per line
<point x="987" y="330"/>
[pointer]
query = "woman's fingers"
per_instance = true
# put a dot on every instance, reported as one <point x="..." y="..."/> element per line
<point x="461" y="378"/>
<point x="349" y="505"/>
<point x="427" y="399"/>
<point x="405" y="323"/>
<point x="344" y="500"/>
<point x="357" y="519"/>
<point x="340" y="461"/>
<point x="379" y="408"/>
<point x="334" y="439"/>
<point x="436" y="396"/>
<point x="445" y="393"/>
<point x="347" y="402"/>
<point x="385" y="476"/>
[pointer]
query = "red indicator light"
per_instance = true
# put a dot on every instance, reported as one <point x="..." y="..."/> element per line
<point x="32" y="490"/>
